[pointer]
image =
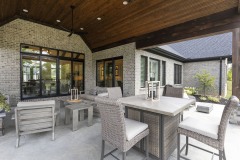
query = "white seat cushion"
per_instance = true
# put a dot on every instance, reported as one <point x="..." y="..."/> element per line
<point x="133" y="128"/>
<point x="103" y="94"/>
<point x="203" y="127"/>
<point x="114" y="92"/>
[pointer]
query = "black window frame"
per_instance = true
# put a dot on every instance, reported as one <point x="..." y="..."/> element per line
<point x="177" y="74"/>
<point x="113" y="68"/>
<point x="159" y="67"/>
<point x="164" y="66"/>
<point x="58" y="58"/>
<point x="146" y="71"/>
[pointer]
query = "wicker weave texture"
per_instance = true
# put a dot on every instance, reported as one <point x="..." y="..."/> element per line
<point x="113" y="124"/>
<point x="215" y="143"/>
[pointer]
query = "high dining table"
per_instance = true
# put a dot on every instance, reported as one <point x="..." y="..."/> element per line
<point x="162" y="117"/>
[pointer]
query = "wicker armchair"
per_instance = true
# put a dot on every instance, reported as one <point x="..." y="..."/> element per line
<point x="171" y="91"/>
<point x="207" y="132"/>
<point x="117" y="130"/>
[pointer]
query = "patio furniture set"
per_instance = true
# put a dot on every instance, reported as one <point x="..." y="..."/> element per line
<point x="153" y="127"/>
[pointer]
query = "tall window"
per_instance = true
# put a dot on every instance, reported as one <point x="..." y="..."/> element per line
<point x="154" y="70"/>
<point x="50" y="72"/>
<point x="177" y="74"/>
<point x="144" y="67"/>
<point x="163" y="73"/>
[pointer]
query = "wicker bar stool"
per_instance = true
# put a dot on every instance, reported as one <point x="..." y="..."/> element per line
<point x="207" y="132"/>
<point x="119" y="131"/>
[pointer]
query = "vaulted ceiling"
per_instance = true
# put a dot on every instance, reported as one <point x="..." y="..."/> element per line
<point x="119" y="22"/>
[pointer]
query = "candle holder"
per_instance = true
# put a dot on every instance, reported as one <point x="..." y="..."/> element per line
<point x="74" y="94"/>
<point x="152" y="90"/>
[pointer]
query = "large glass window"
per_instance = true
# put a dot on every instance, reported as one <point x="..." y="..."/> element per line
<point x="154" y="73"/>
<point x="50" y="72"/>
<point x="163" y="73"/>
<point x="143" y="70"/>
<point x="177" y="74"/>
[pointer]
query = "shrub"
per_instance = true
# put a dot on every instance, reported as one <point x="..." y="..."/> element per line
<point x="203" y="98"/>
<point x="206" y="81"/>
<point x="190" y="90"/>
<point x="213" y="99"/>
<point x="3" y="103"/>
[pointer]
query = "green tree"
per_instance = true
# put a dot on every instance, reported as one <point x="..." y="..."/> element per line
<point x="206" y="81"/>
<point x="229" y="75"/>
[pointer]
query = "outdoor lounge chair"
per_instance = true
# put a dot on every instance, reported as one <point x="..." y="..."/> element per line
<point x="119" y="131"/>
<point x="31" y="119"/>
<point x="207" y="132"/>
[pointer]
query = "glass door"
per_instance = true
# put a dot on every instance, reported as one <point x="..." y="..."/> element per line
<point x="110" y="73"/>
<point x="78" y="76"/>
<point x="65" y="76"/>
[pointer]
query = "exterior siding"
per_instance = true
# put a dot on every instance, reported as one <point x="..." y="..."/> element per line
<point x="169" y="68"/>
<point x="128" y="53"/>
<point x="21" y="31"/>
<point x="213" y="67"/>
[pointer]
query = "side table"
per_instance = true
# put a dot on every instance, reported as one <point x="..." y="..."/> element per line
<point x="75" y="109"/>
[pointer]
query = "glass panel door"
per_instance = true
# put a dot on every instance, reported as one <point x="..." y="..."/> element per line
<point x="108" y="74"/>
<point x="100" y="74"/>
<point x="119" y="73"/>
<point x="65" y="76"/>
<point x="30" y="76"/>
<point x="78" y="75"/>
<point x="49" y="86"/>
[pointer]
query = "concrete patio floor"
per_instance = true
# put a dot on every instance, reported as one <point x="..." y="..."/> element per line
<point x="85" y="143"/>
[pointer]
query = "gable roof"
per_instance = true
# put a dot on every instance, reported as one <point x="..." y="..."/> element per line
<point x="208" y="47"/>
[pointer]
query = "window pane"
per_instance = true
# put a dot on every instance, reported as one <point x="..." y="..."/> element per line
<point x="154" y="70"/>
<point x="65" y="76"/>
<point x="108" y="74"/>
<point x="119" y="73"/>
<point x="163" y="73"/>
<point x="30" y="76"/>
<point x="65" y="54"/>
<point x="100" y="74"/>
<point x="78" y="56"/>
<point x="177" y="74"/>
<point x="49" y="86"/>
<point x="30" y="49"/>
<point x="78" y="75"/>
<point x="143" y="70"/>
<point x="49" y="52"/>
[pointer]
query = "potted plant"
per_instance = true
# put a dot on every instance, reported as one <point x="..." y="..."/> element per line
<point x="3" y="104"/>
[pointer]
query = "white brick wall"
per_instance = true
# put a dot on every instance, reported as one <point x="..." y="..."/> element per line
<point x="169" y="68"/>
<point x="128" y="53"/>
<point x="21" y="31"/>
<point x="213" y="67"/>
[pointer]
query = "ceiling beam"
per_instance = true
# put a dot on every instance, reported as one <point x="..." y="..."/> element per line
<point x="219" y="22"/>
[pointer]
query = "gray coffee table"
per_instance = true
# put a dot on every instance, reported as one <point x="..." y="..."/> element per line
<point x="77" y="109"/>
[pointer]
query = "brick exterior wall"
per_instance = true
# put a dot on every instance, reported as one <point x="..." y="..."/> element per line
<point x="21" y="31"/>
<point x="128" y="53"/>
<point x="169" y="68"/>
<point x="213" y="67"/>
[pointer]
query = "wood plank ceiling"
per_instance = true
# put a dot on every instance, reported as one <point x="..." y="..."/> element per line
<point x="119" y="22"/>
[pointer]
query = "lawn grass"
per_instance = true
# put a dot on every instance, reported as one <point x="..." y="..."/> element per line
<point x="229" y="89"/>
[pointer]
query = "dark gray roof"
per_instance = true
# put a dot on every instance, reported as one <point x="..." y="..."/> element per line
<point x="207" y="47"/>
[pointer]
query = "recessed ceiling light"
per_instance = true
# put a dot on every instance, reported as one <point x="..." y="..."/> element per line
<point x="99" y="18"/>
<point x="58" y="21"/>
<point x="25" y="10"/>
<point x="81" y="29"/>
<point x="125" y="2"/>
